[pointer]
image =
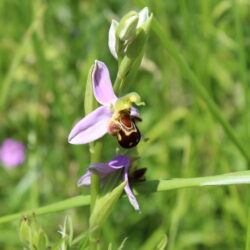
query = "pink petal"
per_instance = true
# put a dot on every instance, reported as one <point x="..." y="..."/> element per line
<point x="85" y="180"/>
<point x="102" y="169"/>
<point x="91" y="127"/>
<point x="132" y="199"/>
<point x="134" y="112"/>
<point x="102" y="85"/>
<point x="119" y="162"/>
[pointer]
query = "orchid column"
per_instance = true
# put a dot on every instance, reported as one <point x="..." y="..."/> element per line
<point x="117" y="116"/>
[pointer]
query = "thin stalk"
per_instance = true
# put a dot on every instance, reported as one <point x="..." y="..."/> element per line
<point x="242" y="64"/>
<point x="76" y="201"/>
<point x="94" y="190"/>
<point x="248" y="231"/>
<point x="6" y="84"/>
<point x="95" y="151"/>
<point x="200" y="90"/>
<point x="122" y="73"/>
<point x="240" y="177"/>
<point x="94" y="233"/>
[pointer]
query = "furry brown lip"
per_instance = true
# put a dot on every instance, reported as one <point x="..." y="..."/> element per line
<point x="125" y="129"/>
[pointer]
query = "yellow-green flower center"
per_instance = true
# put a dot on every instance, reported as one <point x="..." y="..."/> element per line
<point x="125" y="103"/>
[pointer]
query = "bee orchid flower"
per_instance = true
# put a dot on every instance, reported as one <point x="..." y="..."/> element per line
<point x="115" y="116"/>
<point x="104" y="169"/>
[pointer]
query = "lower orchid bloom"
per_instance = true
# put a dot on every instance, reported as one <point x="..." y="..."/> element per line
<point x="116" y="116"/>
<point x="104" y="169"/>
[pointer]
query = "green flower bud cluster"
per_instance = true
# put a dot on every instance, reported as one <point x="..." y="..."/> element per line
<point x="32" y="235"/>
<point x="127" y="40"/>
<point x="123" y="34"/>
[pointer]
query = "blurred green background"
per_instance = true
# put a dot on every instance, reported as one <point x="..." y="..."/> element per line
<point x="46" y="50"/>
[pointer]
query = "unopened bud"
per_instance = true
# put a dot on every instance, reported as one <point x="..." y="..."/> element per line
<point x="126" y="29"/>
<point x="113" y="39"/>
<point x="24" y="230"/>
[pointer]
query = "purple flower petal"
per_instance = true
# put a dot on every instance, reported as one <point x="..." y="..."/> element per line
<point x="85" y="180"/>
<point x="119" y="162"/>
<point x="12" y="153"/>
<point x="134" y="112"/>
<point x="101" y="169"/>
<point x="102" y="85"/>
<point x="91" y="127"/>
<point x="132" y="199"/>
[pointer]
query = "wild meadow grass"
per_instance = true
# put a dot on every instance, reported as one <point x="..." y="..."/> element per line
<point x="195" y="83"/>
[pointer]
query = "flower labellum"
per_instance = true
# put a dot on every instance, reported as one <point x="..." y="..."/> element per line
<point x="104" y="169"/>
<point x="116" y="116"/>
<point x="12" y="153"/>
<point x="125" y="129"/>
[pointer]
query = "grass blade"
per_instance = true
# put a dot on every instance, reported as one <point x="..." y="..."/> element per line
<point x="241" y="177"/>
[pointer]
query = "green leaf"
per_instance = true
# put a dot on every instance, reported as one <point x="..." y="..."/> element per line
<point x="42" y="242"/>
<point x="198" y="87"/>
<point x="59" y="243"/>
<point x="89" y="100"/>
<point x="163" y="243"/>
<point x="235" y="178"/>
<point x="241" y="177"/>
<point x="84" y="242"/>
<point x="104" y="206"/>
<point x="123" y="243"/>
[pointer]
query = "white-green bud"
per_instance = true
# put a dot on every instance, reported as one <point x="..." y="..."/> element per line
<point x="113" y="39"/>
<point x="122" y="34"/>
<point x="126" y="29"/>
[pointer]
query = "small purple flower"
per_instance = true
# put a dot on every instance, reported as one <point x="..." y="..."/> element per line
<point x="12" y="153"/>
<point x="114" y="115"/>
<point x="104" y="169"/>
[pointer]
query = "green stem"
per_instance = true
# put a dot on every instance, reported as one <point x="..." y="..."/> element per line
<point x="76" y="201"/>
<point x="248" y="231"/>
<point x="6" y="83"/>
<point x="242" y="64"/>
<point x="94" y="191"/>
<point x="122" y="73"/>
<point x="94" y="233"/>
<point x="240" y="177"/>
<point x="95" y="150"/>
<point x="200" y="90"/>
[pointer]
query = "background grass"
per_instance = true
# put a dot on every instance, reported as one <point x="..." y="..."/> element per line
<point x="46" y="50"/>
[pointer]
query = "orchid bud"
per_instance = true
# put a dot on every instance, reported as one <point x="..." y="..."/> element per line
<point x="31" y="234"/>
<point x="144" y="17"/>
<point x="24" y="230"/>
<point x="126" y="29"/>
<point x="113" y="43"/>
<point x="129" y="35"/>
